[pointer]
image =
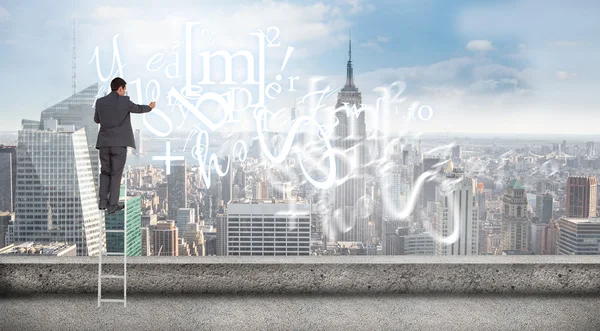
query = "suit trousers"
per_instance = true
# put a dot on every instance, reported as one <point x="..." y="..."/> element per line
<point x="112" y="162"/>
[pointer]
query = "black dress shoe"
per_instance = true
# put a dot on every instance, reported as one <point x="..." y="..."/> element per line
<point x="114" y="209"/>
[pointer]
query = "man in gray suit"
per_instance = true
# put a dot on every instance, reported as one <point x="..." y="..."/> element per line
<point x="112" y="113"/>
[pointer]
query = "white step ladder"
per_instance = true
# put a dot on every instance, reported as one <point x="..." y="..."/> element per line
<point x="124" y="254"/>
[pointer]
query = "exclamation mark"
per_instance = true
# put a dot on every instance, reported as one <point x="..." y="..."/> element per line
<point x="290" y="49"/>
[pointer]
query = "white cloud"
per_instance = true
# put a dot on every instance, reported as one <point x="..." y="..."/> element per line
<point x="464" y="77"/>
<point x="106" y="13"/>
<point x="319" y="26"/>
<point x="489" y="85"/>
<point x="521" y="52"/>
<point x="148" y="36"/>
<point x="439" y="72"/>
<point x="565" y="43"/>
<point x="480" y="45"/>
<point x="571" y="32"/>
<point x="4" y="15"/>
<point x="358" y="6"/>
<point x="375" y="43"/>
<point x="563" y="75"/>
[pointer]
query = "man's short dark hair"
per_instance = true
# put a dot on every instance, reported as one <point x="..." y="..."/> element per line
<point x="116" y="83"/>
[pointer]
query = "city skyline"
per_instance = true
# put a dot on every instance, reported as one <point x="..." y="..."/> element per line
<point x="354" y="196"/>
<point x="291" y="147"/>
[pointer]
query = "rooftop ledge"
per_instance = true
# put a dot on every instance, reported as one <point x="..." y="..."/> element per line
<point x="547" y="274"/>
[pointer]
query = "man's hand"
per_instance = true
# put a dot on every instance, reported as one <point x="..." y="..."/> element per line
<point x="152" y="104"/>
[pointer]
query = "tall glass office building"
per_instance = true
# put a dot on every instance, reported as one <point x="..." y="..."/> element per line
<point x="132" y="214"/>
<point x="78" y="110"/>
<point x="55" y="196"/>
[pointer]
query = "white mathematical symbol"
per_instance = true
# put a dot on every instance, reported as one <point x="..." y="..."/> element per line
<point x="168" y="158"/>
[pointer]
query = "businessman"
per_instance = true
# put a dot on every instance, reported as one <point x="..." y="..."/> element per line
<point x="112" y="113"/>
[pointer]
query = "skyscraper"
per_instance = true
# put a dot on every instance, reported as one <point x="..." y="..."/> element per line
<point x="227" y="180"/>
<point x="456" y="153"/>
<point x="55" y="197"/>
<point x="133" y="216"/>
<point x="463" y="198"/>
<point x="428" y="193"/>
<point x="550" y="238"/>
<point x="281" y="190"/>
<point x="563" y="147"/>
<point x="6" y="218"/>
<point x="239" y="179"/>
<point x="543" y="207"/>
<point x="536" y="233"/>
<point x="184" y="216"/>
<point x="419" y="243"/>
<point x="194" y="238"/>
<point x="146" y="251"/>
<point x="8" y="173"/>
<point x="222" y="235"/>
<point x="397" y="188"/>
<point x="515" y="225"/>
<point x="177" y="188"/>
<point x="350" y="136"/>
<point x="393" y="233"/>
<point x="579" y="236"/>
<point x="78" y="110"/>
<point x="581" y="197"/>
<point x="590" y="149"/>
<point x="166" y="238"/>
<point x="481" y="202"/>
<point x="138" y="142"/>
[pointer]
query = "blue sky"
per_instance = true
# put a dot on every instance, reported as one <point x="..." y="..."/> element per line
<point x="528" y="64"/>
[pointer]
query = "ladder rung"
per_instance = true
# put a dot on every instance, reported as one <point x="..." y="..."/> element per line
<point x="115" y="230"/>
<point x="112" y="300"/>
<point x="112" y="253"/>
<point x="112" y="276"/>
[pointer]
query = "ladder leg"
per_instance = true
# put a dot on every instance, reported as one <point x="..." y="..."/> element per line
<point x="125" y="243"/>
<point x="99" y="264"/>
<point x="99" y="234"/>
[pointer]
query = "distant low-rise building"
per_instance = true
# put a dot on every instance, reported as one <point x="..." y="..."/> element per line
<point x="37" y="249"/>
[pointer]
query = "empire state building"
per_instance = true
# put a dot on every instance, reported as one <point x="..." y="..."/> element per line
<point x="350" y="134"/>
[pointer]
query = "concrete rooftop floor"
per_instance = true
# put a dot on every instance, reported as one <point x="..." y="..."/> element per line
<point x="302" y="312"/>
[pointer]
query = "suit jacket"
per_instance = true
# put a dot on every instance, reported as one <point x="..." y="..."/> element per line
<point x="112" y="113"/>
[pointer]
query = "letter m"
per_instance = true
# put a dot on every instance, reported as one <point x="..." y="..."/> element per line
<point x="228" y="58"/>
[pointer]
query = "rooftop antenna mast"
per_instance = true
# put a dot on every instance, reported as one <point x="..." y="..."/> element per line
<point x="74" y="58"/>
<point x="350" y="46"/>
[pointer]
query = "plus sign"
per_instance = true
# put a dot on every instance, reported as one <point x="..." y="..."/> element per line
<point x="168" y="158"/>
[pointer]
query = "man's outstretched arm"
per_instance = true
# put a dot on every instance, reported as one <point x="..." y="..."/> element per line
<point x="135" y="108"/>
